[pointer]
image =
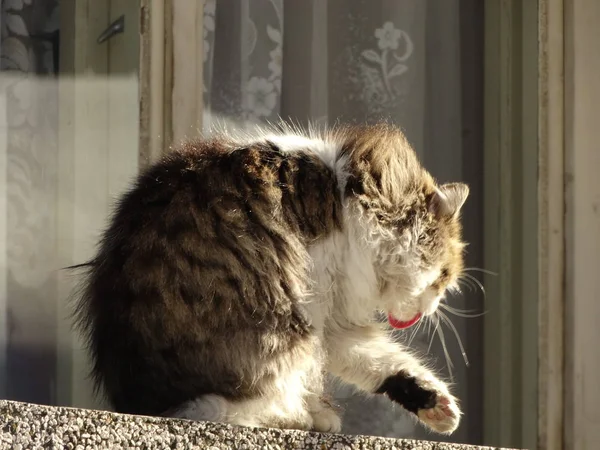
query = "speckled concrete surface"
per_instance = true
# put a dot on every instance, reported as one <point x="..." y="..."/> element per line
<point x="26" y="426"/>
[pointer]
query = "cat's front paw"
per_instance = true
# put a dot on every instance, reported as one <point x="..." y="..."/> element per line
<point x="426" y="397"/>
<point x="326" y="421"/>
<point x="326" y="417"/>
<point x="443" y="417"/>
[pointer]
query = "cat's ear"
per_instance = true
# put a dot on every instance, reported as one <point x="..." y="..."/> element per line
<point x="448" y="199"/>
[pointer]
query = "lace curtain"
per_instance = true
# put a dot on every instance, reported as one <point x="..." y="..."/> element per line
<point x="317" y="60"/>
<point x="343" y="60"/>
<point x="28" y="192"/>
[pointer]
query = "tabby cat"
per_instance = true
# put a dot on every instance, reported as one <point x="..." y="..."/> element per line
<point x="237" y="272"/>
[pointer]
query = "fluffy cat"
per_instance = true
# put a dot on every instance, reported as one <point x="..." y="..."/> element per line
<point x="237" y="272"/>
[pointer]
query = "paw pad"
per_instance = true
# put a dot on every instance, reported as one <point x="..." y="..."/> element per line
<point x="444" y="417"/>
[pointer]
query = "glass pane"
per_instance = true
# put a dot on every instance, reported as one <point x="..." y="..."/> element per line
<point x="68" y="146"/>
<point x="69" y="131"/>
<point x="417" y="64"/>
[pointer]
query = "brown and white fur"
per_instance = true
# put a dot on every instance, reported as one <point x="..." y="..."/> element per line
<point x="238" y="271"/>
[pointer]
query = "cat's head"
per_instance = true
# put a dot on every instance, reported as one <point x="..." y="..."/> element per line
<point x="408" y="225"/>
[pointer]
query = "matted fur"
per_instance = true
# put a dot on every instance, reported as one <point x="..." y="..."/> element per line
<point x="236" y="271"/>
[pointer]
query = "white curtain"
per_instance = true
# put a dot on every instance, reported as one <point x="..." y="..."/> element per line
<point x="28" y="188"/>
<point x="348" y="61"/>
<point x="68" y="144"/>
<point x="318" y="60"/>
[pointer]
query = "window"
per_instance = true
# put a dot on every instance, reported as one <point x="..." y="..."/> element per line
<point x="79" y="118"/>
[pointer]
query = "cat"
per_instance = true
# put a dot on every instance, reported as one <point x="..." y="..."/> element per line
<point x="237" y="272"/>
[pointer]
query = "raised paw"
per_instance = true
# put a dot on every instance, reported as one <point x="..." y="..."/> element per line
<point x="443" y="417"/>
<point x="426" y="397"/>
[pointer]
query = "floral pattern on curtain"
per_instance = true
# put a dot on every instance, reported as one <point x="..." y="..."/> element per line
<point x="346" y="61"/>
<point x="29" y="134"/>
<point x="256" y="97"/>
<point x="380" y="67"/>
<point x="309" y="60"/>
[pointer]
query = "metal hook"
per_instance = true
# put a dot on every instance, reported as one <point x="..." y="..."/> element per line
<point x="118" y="26"/>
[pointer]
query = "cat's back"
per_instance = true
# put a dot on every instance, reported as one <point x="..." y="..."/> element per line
<point x="206" y="188"/>
<point x="205" y="257"/>
<point x="219" y="187"/>
<point x="206" y="205"/>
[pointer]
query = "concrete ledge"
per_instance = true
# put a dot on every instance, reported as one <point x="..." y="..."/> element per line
<point x="26" y="426"/>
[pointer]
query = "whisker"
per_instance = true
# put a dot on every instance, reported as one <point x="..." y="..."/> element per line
<point x="478" y="269"/>
<point x="455" y="290"/>
<point x="461" y="312"/>
<point x="470" y="282"/>
<point x="429" y="322"/>
<point x="452" y="308"/>
<point x="437" y="324"/>
<point x="448" y="322"/>
<point x="414" y="332"/>
<point x="476" y="281"/>
<point x="398" y="338"/>
<point x="464" y="282"/>
<point x="411" y="336"/>
<point x="446" y="354"/>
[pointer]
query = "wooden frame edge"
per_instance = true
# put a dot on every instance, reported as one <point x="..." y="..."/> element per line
<point x="154" y="43"/>
<point x="551" y="201"/>
<point x="171" y="75"/>
<point x="511" y="223"/>
<point x="187" y="84"/>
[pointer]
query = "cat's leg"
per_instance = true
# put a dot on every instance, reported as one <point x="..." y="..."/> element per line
<point x="255" y="412"/>
<point x="206" y="408"/>
<point x="324" y="415"/>
<point x="279" y="399"/>
<point x="318" y="414"/>
<point x="366" y="357"/>
<point x="309" y="412"/>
